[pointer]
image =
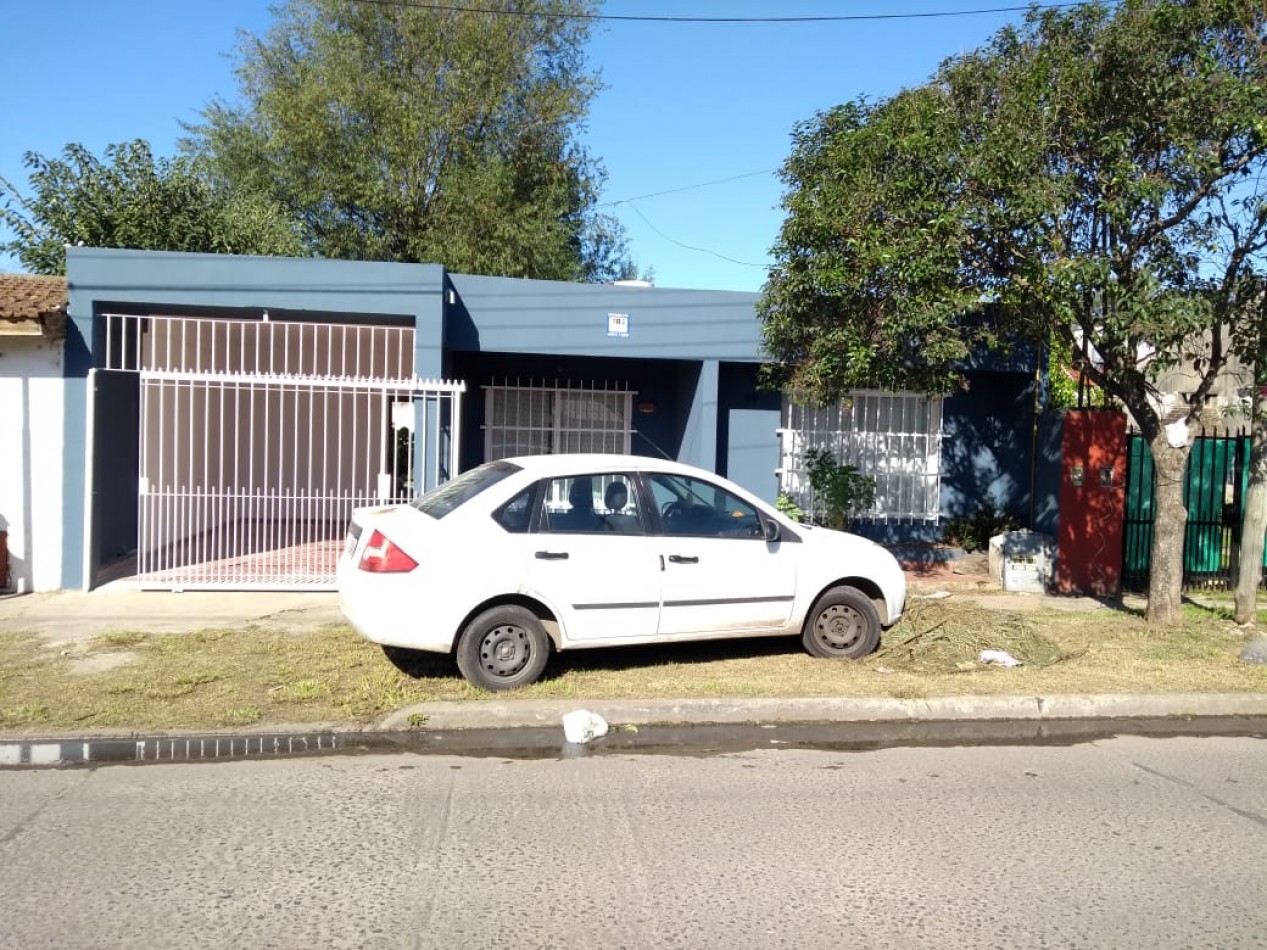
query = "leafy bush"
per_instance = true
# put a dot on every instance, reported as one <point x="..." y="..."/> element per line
<point x="785" y="504"/>
<point x="839" y="491"/>
<point x="974" y="532"/>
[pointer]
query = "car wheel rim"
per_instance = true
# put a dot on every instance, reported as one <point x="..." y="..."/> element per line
<point x="505" y="650"/>
<point x="839" y="627"/>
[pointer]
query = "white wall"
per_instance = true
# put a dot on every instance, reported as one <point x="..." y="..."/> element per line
<point x="32" y="398"/>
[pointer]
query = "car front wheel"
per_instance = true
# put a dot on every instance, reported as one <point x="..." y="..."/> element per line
<point x="503" y="648"/>
<point x="842" y="625"/>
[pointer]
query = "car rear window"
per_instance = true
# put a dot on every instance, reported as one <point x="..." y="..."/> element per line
<point x="457" y="492"/>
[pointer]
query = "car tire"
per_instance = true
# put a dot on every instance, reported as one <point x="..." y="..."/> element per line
<point x="503" y="648"/>
<point x="842" y="625"/>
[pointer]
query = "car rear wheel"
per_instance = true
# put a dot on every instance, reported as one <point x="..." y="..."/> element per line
<point x="842" y="625"/>
<point x="503" y="648"/>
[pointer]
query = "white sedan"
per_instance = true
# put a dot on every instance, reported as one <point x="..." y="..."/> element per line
<point x="521" y="556"/>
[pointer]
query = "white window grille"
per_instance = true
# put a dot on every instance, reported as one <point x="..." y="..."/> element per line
<point x="547" y="420"/>
<point x="894" y="438"/>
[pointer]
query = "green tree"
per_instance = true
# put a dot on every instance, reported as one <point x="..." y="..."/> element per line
<point x="133" y="200"/>
<point x="421" y="133"/>
<point x="1079" y="173"/>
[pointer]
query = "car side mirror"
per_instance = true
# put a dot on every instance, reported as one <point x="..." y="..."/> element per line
<point x="771" y="528"/>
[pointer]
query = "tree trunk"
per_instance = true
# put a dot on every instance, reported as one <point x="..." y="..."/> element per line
<point x="1170" y="518"/>
<point x="1249" y="570"/>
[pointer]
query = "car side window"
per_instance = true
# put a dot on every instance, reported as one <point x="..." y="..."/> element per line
<point x="592" y="504"/>
<point x="691" y="506"/>
<point x="516" y="515"/>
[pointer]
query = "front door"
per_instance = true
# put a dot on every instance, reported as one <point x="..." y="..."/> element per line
<point x="590" y="557"/>
<point x="720" y="573"/>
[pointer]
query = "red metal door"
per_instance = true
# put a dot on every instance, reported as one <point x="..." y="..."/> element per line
<point x="1092" y="502"/>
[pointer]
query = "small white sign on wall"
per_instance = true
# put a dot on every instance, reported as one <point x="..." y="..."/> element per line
<point x="618" y="324"/>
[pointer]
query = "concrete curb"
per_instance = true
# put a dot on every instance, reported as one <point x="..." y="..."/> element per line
<point x="431" y="722"/>
<point x="519" y="714"/>
<point x="203" y="747"/>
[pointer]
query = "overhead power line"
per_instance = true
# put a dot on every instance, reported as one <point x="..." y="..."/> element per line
<point x="630" y="18"/>
<point x="690" y="247"/>
<point x="674" y="191"/>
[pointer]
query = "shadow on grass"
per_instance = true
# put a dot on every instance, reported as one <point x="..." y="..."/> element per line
<point x="1116" y="603"/>
<point x="418" y="665"/>
<point x="616" y="659"/>
<point x="1206" y="610"/>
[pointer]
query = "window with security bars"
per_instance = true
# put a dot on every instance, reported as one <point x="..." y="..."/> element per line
<point x="894" y="438"/>
<point x="538" y="420"/>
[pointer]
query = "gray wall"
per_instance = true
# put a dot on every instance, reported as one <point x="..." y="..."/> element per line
<point x="748" y="422"/>
<point x="987" y="452"/>
<point x="505" y="315"/>
<point x="694" y="328"/>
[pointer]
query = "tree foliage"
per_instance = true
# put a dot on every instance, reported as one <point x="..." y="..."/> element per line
<point x="1093" y="174"/>
<point x="133" y="200"/>
<point x="409" y="133"/>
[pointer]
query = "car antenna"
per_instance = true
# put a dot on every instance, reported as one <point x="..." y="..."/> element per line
<point x="647" y="439"/>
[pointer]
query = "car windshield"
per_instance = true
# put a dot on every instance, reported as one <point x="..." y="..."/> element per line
<point x="452" y="494"/>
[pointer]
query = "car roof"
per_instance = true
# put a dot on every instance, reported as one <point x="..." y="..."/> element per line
<point x="567" y="463"/>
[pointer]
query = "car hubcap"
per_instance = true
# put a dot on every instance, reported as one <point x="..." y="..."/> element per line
<point x="839" y="627"/>
<point x="505" y="650"/>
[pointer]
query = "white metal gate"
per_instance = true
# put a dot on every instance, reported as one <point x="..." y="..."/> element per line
<point x="247" y="475"/>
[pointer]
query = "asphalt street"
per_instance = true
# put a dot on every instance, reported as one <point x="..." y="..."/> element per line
<point x="1125" y="842"/>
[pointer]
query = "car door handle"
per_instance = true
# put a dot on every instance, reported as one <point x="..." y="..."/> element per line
<point x="682" y="559"/>
<point x="552" y="555"/>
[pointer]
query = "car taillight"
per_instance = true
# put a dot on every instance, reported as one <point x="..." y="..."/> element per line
<point x="382" y="557"/>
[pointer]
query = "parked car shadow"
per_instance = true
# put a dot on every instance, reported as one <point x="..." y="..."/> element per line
<point x="615" y="659"/>
<point x="421" y="665"/>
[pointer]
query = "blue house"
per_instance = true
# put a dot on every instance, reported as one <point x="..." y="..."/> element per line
<point x="224" y="413"/>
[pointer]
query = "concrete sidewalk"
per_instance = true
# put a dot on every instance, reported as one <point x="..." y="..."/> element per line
<point x="64" y="618"/>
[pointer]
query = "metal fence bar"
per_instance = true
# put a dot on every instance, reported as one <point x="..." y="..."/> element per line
<point x="1214" y="492"/>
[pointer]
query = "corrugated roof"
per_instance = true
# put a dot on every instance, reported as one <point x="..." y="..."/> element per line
<point x="30" y="296"/>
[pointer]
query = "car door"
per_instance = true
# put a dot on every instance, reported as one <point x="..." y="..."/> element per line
<point x="590" y="557"/>
<point x="720" y="573"/>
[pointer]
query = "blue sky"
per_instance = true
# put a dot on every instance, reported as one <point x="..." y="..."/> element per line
<point x="684" y="104"/>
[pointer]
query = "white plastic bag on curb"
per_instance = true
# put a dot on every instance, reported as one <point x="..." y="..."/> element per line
<point x="581" y="725"/>
<point x="999" y="658"/>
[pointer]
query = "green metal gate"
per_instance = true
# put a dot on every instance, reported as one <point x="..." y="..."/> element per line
<point x="1213" y="493"/>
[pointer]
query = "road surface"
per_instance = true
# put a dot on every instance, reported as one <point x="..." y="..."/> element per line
<point x="1126" y="842"/>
